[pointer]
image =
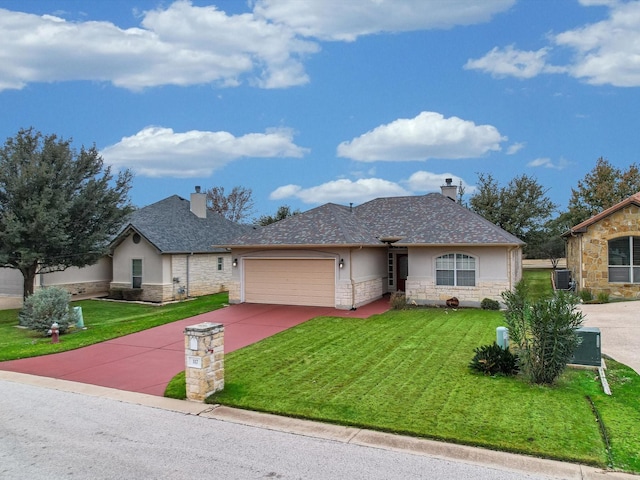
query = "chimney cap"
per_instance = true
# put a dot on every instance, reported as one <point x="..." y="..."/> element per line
<point x="197" y="188"/>
<point x="448" y="181"/>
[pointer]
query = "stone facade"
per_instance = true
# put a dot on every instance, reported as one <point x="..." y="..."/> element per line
<point x="358" y="294"/>
<point x="588" y="255"/>
<point x="84" y="288"/>
<point x="204" y="360"/>
<point x="426" y="292"/>
<point x="201" y="271"/>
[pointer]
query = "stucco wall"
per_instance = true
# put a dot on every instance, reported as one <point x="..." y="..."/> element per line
<point x="587" y="253"/>
<point x="497" y="270"/>
<point x="195" y="274"/>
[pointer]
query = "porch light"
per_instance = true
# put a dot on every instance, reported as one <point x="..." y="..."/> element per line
<point x="341" y="264"/>
<point x="235" y="262"/>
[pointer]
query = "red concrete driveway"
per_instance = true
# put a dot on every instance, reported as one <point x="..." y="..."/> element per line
<point x="146" y="361"/>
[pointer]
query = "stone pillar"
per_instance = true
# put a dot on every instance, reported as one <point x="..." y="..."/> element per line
<point x="204" y="357"/>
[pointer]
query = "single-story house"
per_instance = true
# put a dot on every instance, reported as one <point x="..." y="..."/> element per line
<point x="603" y="252"/>
<point x="430" y="247"/>
<point x="167" y="250"/>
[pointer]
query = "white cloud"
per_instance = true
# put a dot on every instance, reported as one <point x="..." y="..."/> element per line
<point x="546" y="162"/>
<point x="429" y="135"/>
<point x="160" y="152"/>
<point x="344" y="191"/>
<point x="515" y="148"/>
<point x="602" y="53"/>
<point x="422" y="181"/>
<point x="180" y="45"/>
<point x="607" y="52"/>
<point x="341" y="191"/>
<point x="509" y="62"/>
<point x="347" y="20"/>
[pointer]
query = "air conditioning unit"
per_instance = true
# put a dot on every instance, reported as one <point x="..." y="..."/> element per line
<point x="588" y="352"/>
<point x="563" y="279"/>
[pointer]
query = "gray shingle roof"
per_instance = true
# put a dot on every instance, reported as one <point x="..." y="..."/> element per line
<point x="431" y="219"/>
<point x="172" y="228"/>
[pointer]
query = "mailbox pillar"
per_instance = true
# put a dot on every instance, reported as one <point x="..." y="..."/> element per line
<point x="204" y="360"/>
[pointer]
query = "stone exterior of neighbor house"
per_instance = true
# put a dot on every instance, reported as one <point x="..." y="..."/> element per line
<point x="603" y="252"/>
<point x="167" y="250"/>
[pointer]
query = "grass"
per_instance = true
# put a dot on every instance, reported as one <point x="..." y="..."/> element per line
<point x="104" y="321"/>
<point x="406" y="372"/>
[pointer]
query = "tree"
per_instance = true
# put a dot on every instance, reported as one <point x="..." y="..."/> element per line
<point x="600" y="189"/>
<point x="283" y="212"/>
<point x="547" y="242"/>
<point x="519" y="208"/>
<point x="58" y="207"/>
<point x="236" y="206"/>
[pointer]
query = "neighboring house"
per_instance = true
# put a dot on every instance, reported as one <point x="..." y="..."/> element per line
<point x="428" y="246"/>
<point x="90" y="280"/>
<point x="167" y="250"/>
<point x="603" y="252"/>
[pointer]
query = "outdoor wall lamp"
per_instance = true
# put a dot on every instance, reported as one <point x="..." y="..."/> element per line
<point x="341" y="264"/>
<point x="235" y="262"/>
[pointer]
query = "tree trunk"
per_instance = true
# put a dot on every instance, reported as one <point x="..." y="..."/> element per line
<point x="29" y="276"/>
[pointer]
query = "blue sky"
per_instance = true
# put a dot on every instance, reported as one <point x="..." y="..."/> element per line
<point x="326" y="100"/>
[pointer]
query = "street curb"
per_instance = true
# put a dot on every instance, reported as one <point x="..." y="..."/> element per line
<point x="337" y="433"/>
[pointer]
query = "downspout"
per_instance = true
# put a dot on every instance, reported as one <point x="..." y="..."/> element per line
<point x="187" y="286"/>
<point x="353" y="285"/>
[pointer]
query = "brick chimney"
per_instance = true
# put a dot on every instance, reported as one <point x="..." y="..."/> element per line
<point x="199" y="203"/>
<point x="450" y="190"/>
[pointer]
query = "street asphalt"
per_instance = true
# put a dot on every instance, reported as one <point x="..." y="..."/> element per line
<point x="14" y="432"/>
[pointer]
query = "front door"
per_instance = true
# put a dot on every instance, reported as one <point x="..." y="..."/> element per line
<point x="402" y="270"/>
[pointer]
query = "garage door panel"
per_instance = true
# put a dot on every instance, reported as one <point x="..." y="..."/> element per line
<point x="290" y="282"/>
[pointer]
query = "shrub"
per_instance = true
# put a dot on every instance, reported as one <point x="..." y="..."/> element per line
<point x="115" y="293"/>
<point x="492" y="360"/>
<point x="602" y="297"/>
<point x="398" y="301"/>
<point x="585" y="295"/>
<point x="489" y="304"/>
<point x="543" y="332"/>
<point x="46" y="306"/>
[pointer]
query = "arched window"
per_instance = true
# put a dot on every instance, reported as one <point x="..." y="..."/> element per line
<point x="624" y="260"/>
<point x="456" y="269"/>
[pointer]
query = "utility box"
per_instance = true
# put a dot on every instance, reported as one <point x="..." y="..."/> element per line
<point x="588" y="352"/>
<point x="563" y="279"/>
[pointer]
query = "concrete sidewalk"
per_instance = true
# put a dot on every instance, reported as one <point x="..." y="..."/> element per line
<point x="146" y="361"/>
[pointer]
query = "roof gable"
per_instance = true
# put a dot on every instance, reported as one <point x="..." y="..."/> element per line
<point x="171" y="227"/>
<point x="431" y="219"/>
<point x="582" y="227"/>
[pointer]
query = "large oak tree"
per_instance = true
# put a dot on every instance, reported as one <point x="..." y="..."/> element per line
<point x="58" y="207"/>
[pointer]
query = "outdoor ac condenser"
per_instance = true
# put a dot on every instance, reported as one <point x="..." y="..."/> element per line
<point x="588" y="352"/>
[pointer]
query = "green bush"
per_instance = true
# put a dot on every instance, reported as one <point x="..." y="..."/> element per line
<point x="398" y="301"/>
<point x="115" y="294"/>
<point x="489" y="304"/>
<point x="602" y="297"/>
<point x="492" y="360"/>
<point x="543" y="332"/>
<point x="45" y="307"/>
<point x="585" y="295"/>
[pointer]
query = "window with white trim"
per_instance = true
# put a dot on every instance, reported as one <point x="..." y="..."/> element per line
<point x="220" y="264"/>
<point x="136" y="273"/>
<point x="624" y="260"/>
<point x="456" y="269"/>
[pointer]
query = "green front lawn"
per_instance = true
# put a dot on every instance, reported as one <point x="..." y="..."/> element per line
<point x="406" y="372"/>
<point x="103" y="321"/>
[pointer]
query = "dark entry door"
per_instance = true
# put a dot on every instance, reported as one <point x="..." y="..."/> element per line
<point x="402" y="270"/>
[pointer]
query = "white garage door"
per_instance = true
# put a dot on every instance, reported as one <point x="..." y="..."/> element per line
<point x="290" y="282"/>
